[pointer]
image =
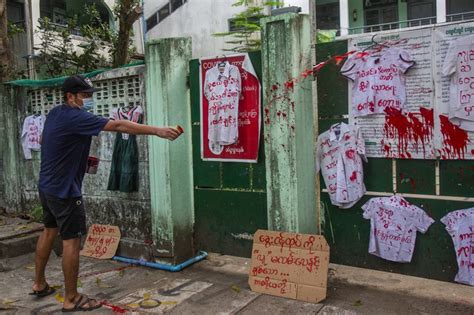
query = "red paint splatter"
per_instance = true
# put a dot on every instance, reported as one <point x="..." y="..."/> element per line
<point x="292" y="105"/>
<point x="347" y="137"/>
<point x="275" y="87"/>
<point x="267" y="116"/>
<point x="283" y="114"/>
<point x="353" y="176"/>
<point x="472" y="151"/>
<point x="289" y="85"/>
<point x="350" y="154"/>
<point x="115" y="309"/>
<point x="278" y="113"/>
<point x="455" y="139"/>
<point x="408" y="129"/>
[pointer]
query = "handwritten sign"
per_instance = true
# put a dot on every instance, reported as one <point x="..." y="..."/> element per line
<point x="290" y="265"/>
<point x="102" y="241"/>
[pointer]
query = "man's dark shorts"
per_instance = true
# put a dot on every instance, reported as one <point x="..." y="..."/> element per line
<point x="66" y="214"/>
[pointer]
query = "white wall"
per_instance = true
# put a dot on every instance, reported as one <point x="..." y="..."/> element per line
<point x="199" y="19"/>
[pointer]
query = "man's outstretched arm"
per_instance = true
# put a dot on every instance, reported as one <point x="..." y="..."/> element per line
<point x="125" y="126"/>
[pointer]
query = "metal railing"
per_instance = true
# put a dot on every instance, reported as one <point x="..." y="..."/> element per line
<point x="460" y="16"/>
<point x="393" y="25"/>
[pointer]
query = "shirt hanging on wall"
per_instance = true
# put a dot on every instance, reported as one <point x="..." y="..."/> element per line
<point x="222" y="89"/>
<point x="459" y="64"/>
<point x="378" y="80"/>
<point x="393" y="226"/>
<point x="31" y="134"/>
<point x="460" y="225"/>
<point x="124" y="168"/>
<point x="338" y="155"/>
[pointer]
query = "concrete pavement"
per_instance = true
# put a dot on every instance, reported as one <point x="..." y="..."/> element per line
<point x="218" y="285"/>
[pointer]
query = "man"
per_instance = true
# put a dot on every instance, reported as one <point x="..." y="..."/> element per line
<point x="65" y="149"/>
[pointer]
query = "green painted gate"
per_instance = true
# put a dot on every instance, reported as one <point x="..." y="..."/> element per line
<point x="229" y="198"/>
<point x="348" y="233"/>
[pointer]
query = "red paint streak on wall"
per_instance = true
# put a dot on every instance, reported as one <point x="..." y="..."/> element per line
<point x="455" y="139"/>
<point x="267" y="116"/>
<point x="408" y="129"/>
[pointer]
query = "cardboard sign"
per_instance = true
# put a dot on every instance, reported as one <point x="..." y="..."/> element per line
<point x="102" y="241"/>
<point x="290" y="265"/>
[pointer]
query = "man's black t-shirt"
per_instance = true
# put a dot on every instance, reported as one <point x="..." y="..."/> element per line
<point x="66" y="142"/>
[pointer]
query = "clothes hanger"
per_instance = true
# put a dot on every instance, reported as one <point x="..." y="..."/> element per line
<point x="375" y="44"/>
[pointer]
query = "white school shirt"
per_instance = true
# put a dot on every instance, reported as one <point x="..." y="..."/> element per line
<point x="222" y="90"/>
<point x="378" y="80"/>
<point x="459" y="64"/>
<point x="393" y="226"/>
<point x="133" y="114"/>
<point x="460" y="225"/>
<point x="338" y="156"/>
<point x="31" y="134"/>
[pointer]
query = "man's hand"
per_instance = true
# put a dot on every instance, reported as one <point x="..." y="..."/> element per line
<point x="167" y="133"/>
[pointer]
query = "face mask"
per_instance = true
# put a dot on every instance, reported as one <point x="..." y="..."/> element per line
<point x="88" y="103"/>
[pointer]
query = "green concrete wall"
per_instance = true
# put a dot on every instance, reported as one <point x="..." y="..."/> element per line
<point x="288" y="127"/>
<point x="171" y="166"/>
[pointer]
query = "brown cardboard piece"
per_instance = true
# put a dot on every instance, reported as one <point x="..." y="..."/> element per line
<point x="290" y="265"/>
<point x="102" y="241"/>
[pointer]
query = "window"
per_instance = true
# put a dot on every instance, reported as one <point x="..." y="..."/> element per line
<point x="327" y="16"/>
<point x="458" y="10"/>
<point x="175" y="4"/>
<point x="152" y="21"/>
<point x="164" y="12"/>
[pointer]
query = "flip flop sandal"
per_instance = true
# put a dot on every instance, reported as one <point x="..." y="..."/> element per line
<point x="79" y="306"/>
<point x="45" y="292"/>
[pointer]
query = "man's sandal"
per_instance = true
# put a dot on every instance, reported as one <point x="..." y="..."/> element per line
<point x="79" y="306"/>
<point x="45" y="292"/>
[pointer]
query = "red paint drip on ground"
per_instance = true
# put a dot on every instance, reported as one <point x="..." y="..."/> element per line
<point x="408" y="129"/>
<point x="455" y="139"/>
<point x="115" y="309"/>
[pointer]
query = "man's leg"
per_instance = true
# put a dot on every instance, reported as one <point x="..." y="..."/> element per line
<point x="43" y="250"/>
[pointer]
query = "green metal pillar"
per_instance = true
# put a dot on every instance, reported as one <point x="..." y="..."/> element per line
<point x="288" y="124"/>
<point x="171" y="165"/>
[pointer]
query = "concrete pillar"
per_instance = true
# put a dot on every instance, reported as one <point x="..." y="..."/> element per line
<point x="171" y="165"/>
<point x="440" y="11"/>
<point x="344" y="17"/>
<point x="288" y="124"/>
<point x="10" y="131"/>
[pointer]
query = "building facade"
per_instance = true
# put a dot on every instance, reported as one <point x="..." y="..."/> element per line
<point x="350" y="17"/>
<point x="182" y="18"/>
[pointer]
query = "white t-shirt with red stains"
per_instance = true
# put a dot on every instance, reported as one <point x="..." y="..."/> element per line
<point x="459" y="64"/>
<point x="338" y="156"/>
<point x="31" y="134"/>
<point x="222" y="90"/>
<point x="460" y="225"/>
<point x="393" y="226"/>
<point x="378" y="80"/>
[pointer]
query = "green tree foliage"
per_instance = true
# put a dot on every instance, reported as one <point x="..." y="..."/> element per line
<point x="58" y="54"/>
<point x="246" y="36"/>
